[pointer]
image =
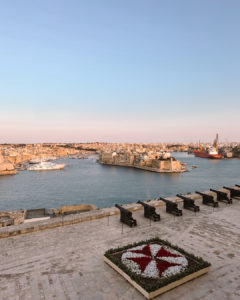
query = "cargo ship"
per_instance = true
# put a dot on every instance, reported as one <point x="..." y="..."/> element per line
<point x="209" y="152"/>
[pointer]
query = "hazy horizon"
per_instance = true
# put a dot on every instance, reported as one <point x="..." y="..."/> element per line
<point x="129" y="71"/>
<point x="118" y="142"/>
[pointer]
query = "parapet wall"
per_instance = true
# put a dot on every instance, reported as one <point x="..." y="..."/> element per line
<point x="76" y="208"/>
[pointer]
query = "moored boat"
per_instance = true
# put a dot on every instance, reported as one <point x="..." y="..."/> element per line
<point x="210" y="151"/>
<point x="46" y="166"/>
<point x="207" y="154"/>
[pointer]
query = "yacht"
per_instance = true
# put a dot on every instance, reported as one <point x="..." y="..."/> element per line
<point x="46" y="166"/>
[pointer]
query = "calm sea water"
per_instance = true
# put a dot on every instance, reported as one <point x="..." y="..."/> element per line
<point x="85" y="181"/>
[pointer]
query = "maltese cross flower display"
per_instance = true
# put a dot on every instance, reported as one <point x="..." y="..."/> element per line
<point x="155" y="266"/>
<point x="154" y="261"/>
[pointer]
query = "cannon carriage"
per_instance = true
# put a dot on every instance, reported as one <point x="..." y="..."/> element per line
<point x="172" y="207"/>
<point x="207" y="199"/>
<point x="221" y="196"/>
<point x="233" y="192"/>
<point x="150" y="212"/>
<point x="126" y="216"/>
<point x="188" y="203"/>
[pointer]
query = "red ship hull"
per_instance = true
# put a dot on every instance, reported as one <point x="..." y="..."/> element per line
<point x="206" y="155"/>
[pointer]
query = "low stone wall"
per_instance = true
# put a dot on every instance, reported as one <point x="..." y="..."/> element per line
<point x="7" y="172"/>
<point x="76" y="208"/>
<point x="14" y="217"/>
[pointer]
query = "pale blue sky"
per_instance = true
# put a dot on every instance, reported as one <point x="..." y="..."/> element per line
<point x="129" y="70"/>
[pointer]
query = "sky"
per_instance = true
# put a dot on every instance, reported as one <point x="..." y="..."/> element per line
<point x="119" y="71"/>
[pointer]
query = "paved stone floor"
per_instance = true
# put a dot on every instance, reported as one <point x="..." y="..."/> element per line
<point x="67" y="262"/>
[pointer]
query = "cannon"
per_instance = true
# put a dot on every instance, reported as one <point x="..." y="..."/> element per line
<point x="208" y="199"/>
<point x="171" y="207"/>
<point x="233" y="192"/>
<point x="188" y="203"/>
<point x="150" y="212"/>
<point x="221" y="196"/>
<point x="126" y="216"/>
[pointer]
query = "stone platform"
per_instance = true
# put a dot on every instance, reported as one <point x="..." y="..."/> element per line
<point x="67" y="262"/>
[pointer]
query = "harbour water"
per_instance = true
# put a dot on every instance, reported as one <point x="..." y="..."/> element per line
<point x="85" y="181"/>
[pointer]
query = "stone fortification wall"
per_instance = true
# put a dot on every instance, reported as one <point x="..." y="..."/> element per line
<point x="76" y="208"/>
<point x="150" y="164"/>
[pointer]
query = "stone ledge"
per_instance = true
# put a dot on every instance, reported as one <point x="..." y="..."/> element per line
<point x="8" y="172"/>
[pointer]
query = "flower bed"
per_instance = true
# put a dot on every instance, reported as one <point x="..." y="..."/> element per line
<point x="155" y="266"/>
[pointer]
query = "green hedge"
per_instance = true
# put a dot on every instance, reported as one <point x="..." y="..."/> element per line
<point x="200" y="264"/>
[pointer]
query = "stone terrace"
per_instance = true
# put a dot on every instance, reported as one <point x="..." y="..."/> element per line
<point x="67" y="262"/>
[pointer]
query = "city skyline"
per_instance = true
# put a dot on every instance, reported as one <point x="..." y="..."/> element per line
<point x="135" y="71"/>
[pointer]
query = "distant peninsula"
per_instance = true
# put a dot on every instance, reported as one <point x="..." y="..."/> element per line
<point x="160" y="162"/>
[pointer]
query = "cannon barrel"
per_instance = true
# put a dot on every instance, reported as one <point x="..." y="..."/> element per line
<point x="188" y="203"/>
<point x="218" y="192"/>
<point x="182" y="197"/>
<point x="147" y="207"/>
<point x="150" y="212"/>
<point x="228" y="188"/>
<point x="144" y="204"/>
<point x="172" y="207"/>
<point x="233" y="192"/>
<point x="207" y="199"/>
<point x="203" y="194"/>
<point x="221" y="196"/>
<point x="122" y="209"/>
<point x="167" y="201"/>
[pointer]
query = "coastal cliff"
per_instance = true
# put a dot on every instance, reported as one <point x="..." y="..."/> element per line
<point x="6" y="167"/>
